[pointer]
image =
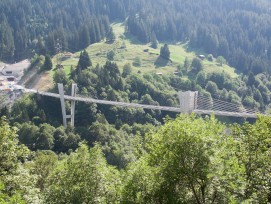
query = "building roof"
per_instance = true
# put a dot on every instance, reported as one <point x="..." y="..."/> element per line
<point x="68" y="54"/>
<point x="17" y="67"/>
<point x="2" y="65"/>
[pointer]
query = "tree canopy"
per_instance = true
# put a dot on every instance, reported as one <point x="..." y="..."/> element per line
<point x="189" y="159"/>
<point x="224" y="32"/>
<point x="48" y="65"/>
<point x="84" y="61"/>
<point x="164" y="52"/>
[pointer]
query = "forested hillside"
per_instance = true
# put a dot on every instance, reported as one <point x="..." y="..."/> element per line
<point x="239" y="30"/>
<point x="28" y="26"/>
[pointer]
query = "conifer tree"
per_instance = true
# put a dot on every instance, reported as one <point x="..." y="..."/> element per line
<point x="48" y="65"/>
<point x="164" y="52"/>
<point x="197" y="65"/>
<point x="110" y="37"/>
<point x="84" y="60"/>
<point x="154" y="42"/>
<point x="186" y="64"/>
<point x="84" y="37"/>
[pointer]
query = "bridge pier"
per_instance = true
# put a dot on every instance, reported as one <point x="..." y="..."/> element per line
<point x="63" y="107"/>
<point x="188" y="101"/>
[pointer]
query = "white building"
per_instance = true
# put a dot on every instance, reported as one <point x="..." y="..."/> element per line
<point x="16" y="70"/>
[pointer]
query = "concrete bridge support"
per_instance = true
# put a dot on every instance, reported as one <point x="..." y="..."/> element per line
<point x="188" y="101"/>
<point x="63" y="107"/>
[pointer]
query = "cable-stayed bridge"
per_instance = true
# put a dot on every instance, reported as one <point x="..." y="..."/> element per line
<point x="190" y="102"/>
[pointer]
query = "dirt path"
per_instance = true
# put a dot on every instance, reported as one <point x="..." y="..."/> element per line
<point x="42" y="82"/>
<point x="28" y="76"/>
<point x="35" y="80"/>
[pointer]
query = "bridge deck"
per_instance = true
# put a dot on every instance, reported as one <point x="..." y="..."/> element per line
<point x="152" y="107"/>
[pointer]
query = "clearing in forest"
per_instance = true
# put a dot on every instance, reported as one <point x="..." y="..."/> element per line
<point x="127" y="48"/>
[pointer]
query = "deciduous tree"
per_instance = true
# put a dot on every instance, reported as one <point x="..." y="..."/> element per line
<point x="197" y="65"/>
<point x="84" y="177"/>
<point x="221" y="60"/>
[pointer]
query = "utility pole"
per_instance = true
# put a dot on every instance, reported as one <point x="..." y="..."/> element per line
<point x="58" y="53"/>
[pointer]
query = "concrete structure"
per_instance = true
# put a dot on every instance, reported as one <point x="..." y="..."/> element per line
<point x="6" y="85"/>
<point x="10" y="86"/>
<point x="9" y="76"/>
<point x="63" y="107"/>
<point x="15" y="70"/>
<point x="244" y="113"/>
<point x="188" y="101"/>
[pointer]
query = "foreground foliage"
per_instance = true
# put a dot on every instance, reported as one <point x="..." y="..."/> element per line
<point x="84" y="177"/>
<point x="17" y="185"/>
<point x="188" y="160"/>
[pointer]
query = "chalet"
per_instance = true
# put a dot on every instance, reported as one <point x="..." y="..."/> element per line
<point x="202" y="57"/>
<point x="66" y="55"/>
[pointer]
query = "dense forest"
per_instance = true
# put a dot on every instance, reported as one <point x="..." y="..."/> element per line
<point x="28" y="26"/>
<point x="237" y="30"/>
<point x="188" y="160"/>
<point x="127" y="155"/>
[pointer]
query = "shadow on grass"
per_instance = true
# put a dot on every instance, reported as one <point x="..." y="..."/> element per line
<point x="110" y="42"/>
<point x="133" y="39"/>
<point x="161" y="62"/>
<point x="197" y="51"/>
<point x="192" y="74"/>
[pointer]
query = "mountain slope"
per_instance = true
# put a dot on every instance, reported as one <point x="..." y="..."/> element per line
<point x="127" y="48"/>
<point x="239" y="30"/>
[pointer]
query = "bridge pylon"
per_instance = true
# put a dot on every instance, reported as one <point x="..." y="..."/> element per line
<point x="188" y="101"/>
<point x="63" y="107"/>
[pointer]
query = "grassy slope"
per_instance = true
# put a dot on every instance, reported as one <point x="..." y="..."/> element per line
<point x="150" y="61"/>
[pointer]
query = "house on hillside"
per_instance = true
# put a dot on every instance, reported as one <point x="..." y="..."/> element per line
<point x="15" y="71"/>
<point x="66" y="55"/>
<point x="202" y="57"/>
